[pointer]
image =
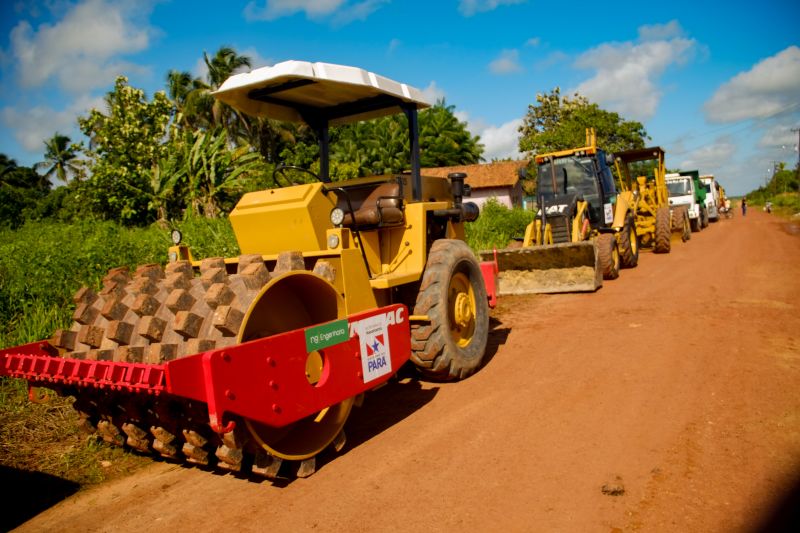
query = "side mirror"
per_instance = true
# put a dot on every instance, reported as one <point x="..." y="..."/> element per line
<point x="609" y="159"/>
<point x="522" y="173"/>
<point x="467" y="190"/>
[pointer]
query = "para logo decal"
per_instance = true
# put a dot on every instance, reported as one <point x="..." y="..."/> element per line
<point x="373" y="334"/>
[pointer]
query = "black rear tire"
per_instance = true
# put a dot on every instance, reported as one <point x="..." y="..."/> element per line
<point x="628" y="242"/>
<point x="608" y="255"/>
<point x="452" y="345"/>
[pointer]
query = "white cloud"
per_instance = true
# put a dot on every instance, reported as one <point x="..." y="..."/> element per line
<point x="767" y="89"/>
<point x="32" y="126"/>
<point x="533" y="41"/>
<point x="357" y="11"/>
<point x="340" y="12"/>
<point x="470" y="7"/>
<point x="275" y="9"/>
<point x="716" y="155"/>
<point x="433" y="93"/>
<point x="627" y="74"/>
<point x="552" y="58"/>
<point x="81" y="50"/>
<point x="506" y="63"/>
<point x="660" y="32"/>
<point x="394" y="44"/>
<point x="256" y="59"/>
<point x="779" y="136"/>
<point x="500" y="142"/>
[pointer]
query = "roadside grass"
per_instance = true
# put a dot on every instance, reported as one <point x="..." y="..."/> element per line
<point x="44" y="437"/>
<point x="42" y="265"/>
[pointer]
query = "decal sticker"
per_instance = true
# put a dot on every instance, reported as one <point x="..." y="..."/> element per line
<point x="556" y="209"/>
<point x="326" y="335"/>
<point x="373" y="333"/>
<point x="609" y="213"/>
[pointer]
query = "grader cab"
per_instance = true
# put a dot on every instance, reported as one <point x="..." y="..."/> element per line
<point x="641" y="173"/>
<point x="583" y="231"/>
<point x="254" y="362"/>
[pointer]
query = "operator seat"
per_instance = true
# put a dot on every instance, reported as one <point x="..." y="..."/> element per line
<point x="381" y="207"/>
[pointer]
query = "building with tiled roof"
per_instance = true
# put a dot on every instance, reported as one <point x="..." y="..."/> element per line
<point x="498" y="180"/>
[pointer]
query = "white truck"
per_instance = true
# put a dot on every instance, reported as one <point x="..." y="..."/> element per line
<point x="686" y="190"/>
<point x="712" y="196"/>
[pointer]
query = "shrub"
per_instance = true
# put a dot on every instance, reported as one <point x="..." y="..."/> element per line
<point x="496" y="226"/>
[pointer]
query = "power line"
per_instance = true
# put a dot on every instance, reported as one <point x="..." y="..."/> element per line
<point x="738" y="128"/>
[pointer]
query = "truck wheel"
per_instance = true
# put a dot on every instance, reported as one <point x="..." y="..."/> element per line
<point x="663" y="231"/>
<point x="704" y="217"/>
<point x="453" y="296"/>
<point x="680" y="222"/>
<point x="608" y="255"/>
<point x="687" y="226"/>
<point x="628" y="242"/>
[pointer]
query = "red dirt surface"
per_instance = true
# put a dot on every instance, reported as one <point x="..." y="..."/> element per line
<point x="666" y="401"/>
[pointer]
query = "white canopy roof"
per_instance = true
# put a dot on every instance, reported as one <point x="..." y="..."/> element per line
<point x="294" y="90"/>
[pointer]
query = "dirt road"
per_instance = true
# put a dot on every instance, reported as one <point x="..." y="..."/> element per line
<point x="667" y="401"/>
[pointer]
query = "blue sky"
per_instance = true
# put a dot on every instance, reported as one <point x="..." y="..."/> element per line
<point x="717" y="85"/>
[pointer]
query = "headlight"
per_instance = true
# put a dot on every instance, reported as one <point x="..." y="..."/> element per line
<point x="333" y="240"/>
<point x="176" y="237"/>
<point x="337" y="216"/>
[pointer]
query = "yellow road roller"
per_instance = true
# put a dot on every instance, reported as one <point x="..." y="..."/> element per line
<point x="253" y="363"/>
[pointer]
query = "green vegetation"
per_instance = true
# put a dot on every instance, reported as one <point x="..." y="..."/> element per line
<point x="559" y="122"/>
<point x="783" y="190"/>
<point x="42" y="264"/>
<point x="496" y="226"/>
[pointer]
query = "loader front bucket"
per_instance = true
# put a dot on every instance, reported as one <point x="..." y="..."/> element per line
<point x="565" y="267"/>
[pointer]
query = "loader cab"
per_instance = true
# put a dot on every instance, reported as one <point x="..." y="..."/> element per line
<point x="566" y="179"/>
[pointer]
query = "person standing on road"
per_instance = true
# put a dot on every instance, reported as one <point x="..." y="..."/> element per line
<point x="744" y="206"/>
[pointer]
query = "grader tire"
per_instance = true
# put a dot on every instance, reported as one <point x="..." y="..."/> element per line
<point x="608" y="255"/>
<point x="663" y="231"/>
<point x="453" y="296"/>
<point x="628" y="242"/>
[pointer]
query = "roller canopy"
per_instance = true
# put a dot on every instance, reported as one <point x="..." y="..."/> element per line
<point x="301" y="91"/>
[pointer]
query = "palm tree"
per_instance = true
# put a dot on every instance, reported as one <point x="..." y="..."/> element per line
<point x="445" y="141"/>
<point x="210" y="111"/>
<point x="60" y="158"/>
<point x="180" y="85"/>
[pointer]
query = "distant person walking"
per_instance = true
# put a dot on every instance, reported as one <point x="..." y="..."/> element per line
<point x="744" y="206"/>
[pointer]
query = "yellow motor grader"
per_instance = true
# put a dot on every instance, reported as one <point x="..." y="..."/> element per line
<point x="583" y="231"/>
<point x="254" y="362"/>
<point x="641" y="174"/>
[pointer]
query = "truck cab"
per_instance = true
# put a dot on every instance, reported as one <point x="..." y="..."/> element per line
<point x="712" y="196"/>
<point x="686" y="189"/>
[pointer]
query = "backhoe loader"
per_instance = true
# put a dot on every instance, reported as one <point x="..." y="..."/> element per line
<point x="583" y="231"/>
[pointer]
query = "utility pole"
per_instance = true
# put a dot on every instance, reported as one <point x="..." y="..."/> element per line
<point x="798" y="145"/>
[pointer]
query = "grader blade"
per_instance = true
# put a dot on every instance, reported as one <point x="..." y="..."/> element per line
<point x="556" y="268"/>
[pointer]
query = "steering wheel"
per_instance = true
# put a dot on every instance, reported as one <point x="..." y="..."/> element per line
<point x="280" y="170"/>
